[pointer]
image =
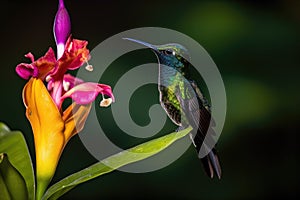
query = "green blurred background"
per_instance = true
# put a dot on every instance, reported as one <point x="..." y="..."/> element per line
<point x="256" y="46"/>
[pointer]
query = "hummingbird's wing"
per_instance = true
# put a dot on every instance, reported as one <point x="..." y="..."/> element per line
<point x="196" y="110"/>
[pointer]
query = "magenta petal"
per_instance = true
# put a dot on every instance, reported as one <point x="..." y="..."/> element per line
<point x="39" y="68"/>
<point x="26" y="71"/>
<point x="106" y="90"/>
<point x="86" y="93"/>
<point x="30" y="56"/>
<point x="50" y="85"/>
<point x="62" y="26"/>
<point x="72" y="80"/>
<point x="84" y="97"/>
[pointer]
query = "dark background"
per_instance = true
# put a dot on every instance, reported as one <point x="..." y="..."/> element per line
<point x="255" y="44"/>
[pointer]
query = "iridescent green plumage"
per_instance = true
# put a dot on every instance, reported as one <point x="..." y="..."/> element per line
<point x="183" y="101"/>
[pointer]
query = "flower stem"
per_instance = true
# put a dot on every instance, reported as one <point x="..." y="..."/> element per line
<point x="41" y="188"/>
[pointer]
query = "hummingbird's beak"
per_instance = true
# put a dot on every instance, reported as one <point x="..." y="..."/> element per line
<point x="151" y="46"/>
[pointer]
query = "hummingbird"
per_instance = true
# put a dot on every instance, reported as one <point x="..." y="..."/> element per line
<point x="182" y="100"/>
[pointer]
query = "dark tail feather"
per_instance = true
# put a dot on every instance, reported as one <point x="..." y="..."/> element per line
<point x="211" y="164"/>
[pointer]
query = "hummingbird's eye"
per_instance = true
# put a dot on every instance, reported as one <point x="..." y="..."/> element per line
<point x="169" y="52"/>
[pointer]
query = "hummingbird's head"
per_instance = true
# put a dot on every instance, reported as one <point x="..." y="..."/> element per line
<point x="173" y="55"/>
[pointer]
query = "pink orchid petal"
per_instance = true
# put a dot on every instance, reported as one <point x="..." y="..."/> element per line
<point x="39" y="68"/>
<point x="45" y="64"/>
<point x="50" y="85"/>
<point x="86" y="93"/>
<point x="26" y="71"/>
<point x="73" y="81"/>
<point x="61" y="28"/>
<point x="74" y="56"/>
<point x="30" y="56"/>
<point x="67" y="79"/>
<point x="75" y="53"/>
<point x="106" y="90"/>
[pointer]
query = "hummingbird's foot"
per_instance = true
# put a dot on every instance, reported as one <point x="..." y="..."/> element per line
<point x="180" y="128"/>
<point x="191" y="136"/>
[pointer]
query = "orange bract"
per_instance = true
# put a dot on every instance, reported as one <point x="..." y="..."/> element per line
<point x="51" y="128"/>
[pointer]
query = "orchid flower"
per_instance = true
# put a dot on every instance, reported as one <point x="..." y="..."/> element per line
<point x="52" y="126"/>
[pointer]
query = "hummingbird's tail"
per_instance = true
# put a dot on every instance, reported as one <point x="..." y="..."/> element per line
<point x="211" y="164"/>
<point x="211" y="161"/>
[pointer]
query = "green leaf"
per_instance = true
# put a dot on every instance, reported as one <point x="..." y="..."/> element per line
<point x="12" y="184"/>
<point x="3" y="188"/>
<point x="113" y="162"/>
<point x="14" y="145"/>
